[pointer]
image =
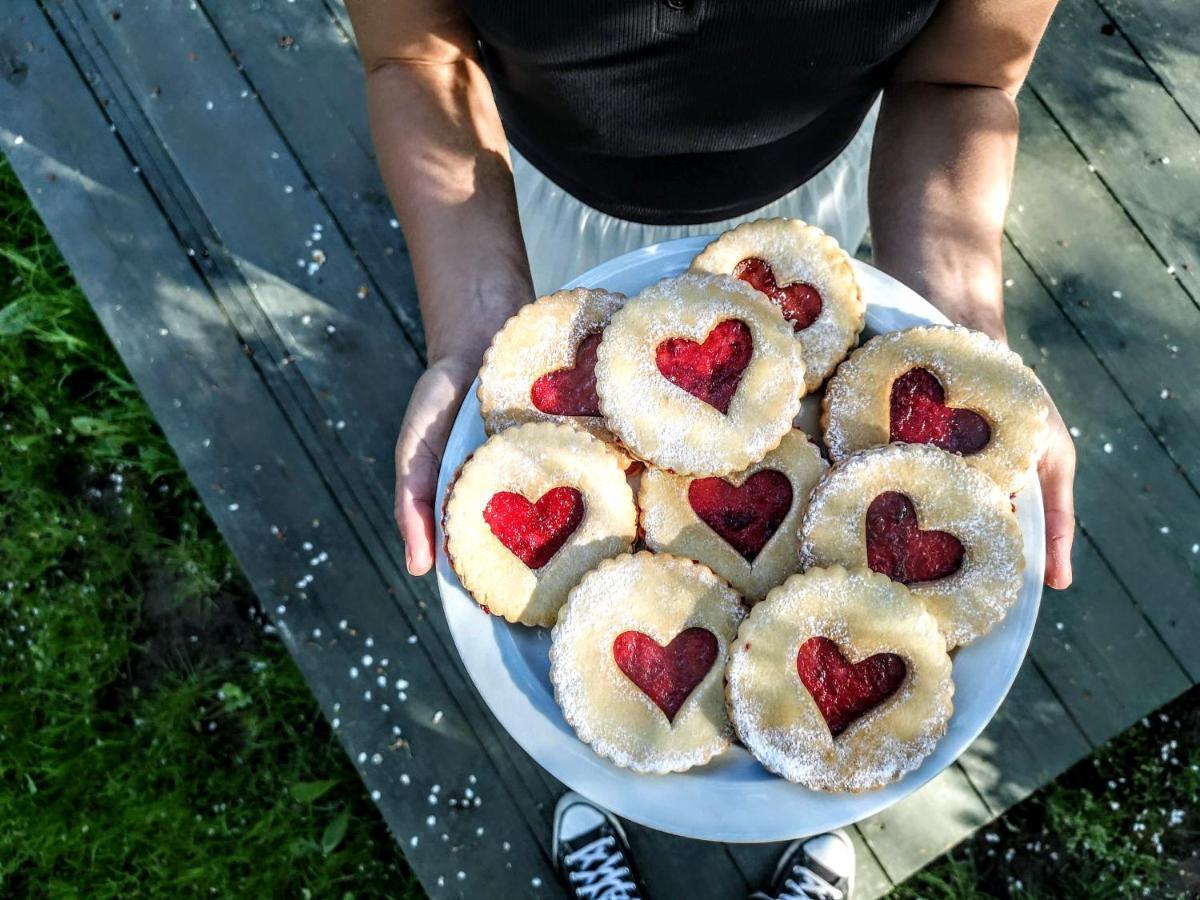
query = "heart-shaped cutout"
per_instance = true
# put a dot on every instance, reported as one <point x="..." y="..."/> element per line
<point x="534" y="532"/>
<point x="899" y="549"/>
<point x="667" y="675"/>
<point x="919" y="415"/>
<point x="801" y="302"/>
<point x="572" y="391"/>
<point x="745" y="516"/>
<point x="842" y="690"/>
<point x="712" y="370"/>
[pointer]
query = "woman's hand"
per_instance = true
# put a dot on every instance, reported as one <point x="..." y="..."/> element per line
<point x="1056" y="471"/>
<point x="431" y="410"/>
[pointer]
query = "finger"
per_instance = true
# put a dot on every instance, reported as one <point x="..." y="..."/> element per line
<point x="416" y="484"/>
<point x="414" y="515"/>
<point x="1058" y="497"/>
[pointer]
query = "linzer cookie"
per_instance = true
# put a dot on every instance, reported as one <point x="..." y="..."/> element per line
<point x="804" y="271"/>
<point x="532" y="510"/>
<point x="924" y="518"/>
<point x="744" y="526"/>
<point x="541" y="364"/>
<point x="839" y="680"/>
<point x="948" y="386"/>
<point x="638" y="657"/>
<point x="700" y="375"/>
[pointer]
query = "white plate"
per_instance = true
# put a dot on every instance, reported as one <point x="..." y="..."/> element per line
<point x="732" y="798"/>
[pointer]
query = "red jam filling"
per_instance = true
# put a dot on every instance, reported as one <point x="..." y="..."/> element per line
<point x="667" y="675"/>
<point x="534" y="532"/>
<point x="842" y="690"/>
<point x="746" y="516"/>
<point x="801" y="302"/>
<point x="903" y="552"/>
<point x="571" y="392"/>
<point x="712" y="370"/>
<point x="919" y="415"/>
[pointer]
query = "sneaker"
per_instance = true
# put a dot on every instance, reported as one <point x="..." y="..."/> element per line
<point x="591" y="852"/>
<point x="815" y="868"/>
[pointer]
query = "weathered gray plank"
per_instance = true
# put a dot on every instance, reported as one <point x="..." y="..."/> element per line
<point x="924" y="825"/>
<point x="170" y="62"/>
<point x="269" y="311"/>
<point x="670" y="864"/>
<point x="1164" y="34"/>
<point x="255" y="468"/>
<point x="1100" y="653"/>
<point x="870" y="880"/>
<point x="1114" y="108"/>
<point x="1083" y="250"/>
<point x="1031" y="739"/>
<point x="304" y="68"/>
<point x="1105" y="686"/>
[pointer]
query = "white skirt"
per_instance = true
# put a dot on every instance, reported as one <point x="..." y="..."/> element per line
<point x="565" y="237"/>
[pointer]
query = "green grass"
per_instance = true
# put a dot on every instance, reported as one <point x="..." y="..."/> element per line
<point x="153" y="741"/>
<point x="1123" y="823"/>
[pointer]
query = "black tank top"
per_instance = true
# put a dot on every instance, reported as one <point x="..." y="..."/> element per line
<point x="687" y="111"/>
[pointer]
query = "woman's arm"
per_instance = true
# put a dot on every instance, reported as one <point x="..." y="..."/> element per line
<point x="445" y="161"/>
<point x="941" y="172"/>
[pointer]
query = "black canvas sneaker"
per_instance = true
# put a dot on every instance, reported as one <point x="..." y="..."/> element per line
<point x="815" y="868"/>
<point x="591" y="852"/>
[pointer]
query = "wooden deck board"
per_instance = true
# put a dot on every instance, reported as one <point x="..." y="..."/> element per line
<point x="926" y="824"/>
<point x="259" y="470"/>
<point x="313" y="90"/>
<point x="1083" y="250"/>
<point x="1031" y="740"/>
<point x="1114" y="108"/>
<point x="1104" y="685"/>
<point x="1164" y="34"/>
<point x="1100" y="654"/>
<point x="237" y="310"/>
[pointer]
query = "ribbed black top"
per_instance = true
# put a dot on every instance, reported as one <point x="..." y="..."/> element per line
<point x="683" y="111"/>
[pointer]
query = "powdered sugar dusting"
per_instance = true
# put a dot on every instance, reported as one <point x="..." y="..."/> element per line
<point x="864" y="613"/>
<point x="670" y="523"/>
<point x="530" y="460"/>
<point x="796" y="251"/>
<point x="542" y="337"/>
<point x="659" y="595"/>
<point x="977" y="372"/>
<point x="660" y="422"/>
<point x="948" y="495"/>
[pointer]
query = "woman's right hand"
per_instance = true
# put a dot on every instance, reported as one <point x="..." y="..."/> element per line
<point x="431" y="410"/>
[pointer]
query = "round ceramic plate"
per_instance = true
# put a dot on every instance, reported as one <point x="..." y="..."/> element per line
<point x="732" y="798"/>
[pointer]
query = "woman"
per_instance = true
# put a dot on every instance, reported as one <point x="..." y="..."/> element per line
<point x="638" y="122"/>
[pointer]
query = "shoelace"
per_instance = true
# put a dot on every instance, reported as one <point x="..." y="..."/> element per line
<point x="597" y="871"/>
<point x="808" y="885"/>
